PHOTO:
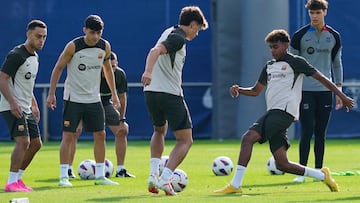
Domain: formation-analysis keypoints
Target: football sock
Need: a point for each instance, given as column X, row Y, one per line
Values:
column 154, row 166
column 99, row 170
column 13, row 177
column 64, row 170
column 238, row 177
column 20, row 174
column 119, row 168
column 314, row 173
column 166, row 174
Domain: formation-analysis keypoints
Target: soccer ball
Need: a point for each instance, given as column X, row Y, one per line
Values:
column 222, row 166
column 271, row 167
column 109, row 168
column 179, row 180
column 163, row 162
column 86, row 169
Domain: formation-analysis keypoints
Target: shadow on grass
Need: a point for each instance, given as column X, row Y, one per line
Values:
column 345, row 199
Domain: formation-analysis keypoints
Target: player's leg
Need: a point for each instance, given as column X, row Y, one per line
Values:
column 323, row 111
column 73, row 150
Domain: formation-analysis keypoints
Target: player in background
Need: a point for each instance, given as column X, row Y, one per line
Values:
column 18, row 104
column 114, row 118
column 164, row 97
column 321, row 46
column 283, row 76
column 85, row 57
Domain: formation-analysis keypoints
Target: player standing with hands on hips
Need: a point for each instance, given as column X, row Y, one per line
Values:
column 321, row 46
column 283, row 76
column 18, row 104
column 84, row 57
column 164, row 97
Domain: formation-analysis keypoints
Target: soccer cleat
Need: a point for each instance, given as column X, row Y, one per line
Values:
column 329, row 181
column 152, row 184
column 166, row 187
column 105, row 181
column 64, row 182
column 71, row 174
column 14, row 187
column 229, row 189
column 124, row 174
column 299, row 179
column 22, row 184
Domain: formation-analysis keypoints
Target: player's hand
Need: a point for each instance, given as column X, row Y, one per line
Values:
column 36, row 113
column 348, row 103
column 339, row 103
column 16, row 110
column 51, row 102
column 146, row 79
column 234, row 91
column 115, row 102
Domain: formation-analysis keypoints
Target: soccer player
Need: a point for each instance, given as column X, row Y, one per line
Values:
column 18, row 104
column 114, row 118
column 320, row 45
column 84, row 57
column 283, row 77
column 164, row 97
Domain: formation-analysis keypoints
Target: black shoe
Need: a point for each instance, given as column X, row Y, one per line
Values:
column 71, row 174
column 124, row 174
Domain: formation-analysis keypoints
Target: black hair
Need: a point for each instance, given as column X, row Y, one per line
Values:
column 277, row 35
column 192, row 13
column 316, row 4
column 94, row 22
column 35, row 23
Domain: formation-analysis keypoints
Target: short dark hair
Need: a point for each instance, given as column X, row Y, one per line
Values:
column 94, row 22
column 35, row 23
column 113, row 56
column 316, row 4
column 192, row 13
column 277, row 35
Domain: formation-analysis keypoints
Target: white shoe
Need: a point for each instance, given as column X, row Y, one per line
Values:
column 166, row 187
column 64, row 182
column 152, row 184
column 299, row 179
column 105, row 181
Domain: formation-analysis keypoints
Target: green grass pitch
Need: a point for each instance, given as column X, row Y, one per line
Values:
column 258, row 185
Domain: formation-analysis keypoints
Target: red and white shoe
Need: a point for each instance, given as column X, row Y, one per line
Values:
column 166, row 187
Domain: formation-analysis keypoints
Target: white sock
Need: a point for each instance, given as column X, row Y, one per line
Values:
column 120, row 167
column 70, row 167
column 64, row 170
column 314, row 173
column 13, row 177
column 154, row 166
column 166, row 174
column 99, row 170
column 20, row 174
column 237, row 180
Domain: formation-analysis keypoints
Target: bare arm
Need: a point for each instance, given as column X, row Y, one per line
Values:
column 61, row 63
column 347, row 101
column 5, row 90
column 151, row 59
column 109, row 76
column 255, row 90
column 123, row 104
column 35, row 109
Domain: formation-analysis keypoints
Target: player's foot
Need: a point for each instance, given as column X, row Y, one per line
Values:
column 64, row 182
column 329, row 181
column 229, row 189
column 299, row 179
column 105, row 181
column 22, row 184
column 152, row 184
column 71, row 174
column 124, row 174
column 166, row 187
column 14, row 187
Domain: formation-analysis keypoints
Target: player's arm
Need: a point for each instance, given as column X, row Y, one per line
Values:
column 61, row 63
column 347, row 101
column 236, row 90
column 151, row 59
column 35, row 109
column 109, row 76
column 5, row 90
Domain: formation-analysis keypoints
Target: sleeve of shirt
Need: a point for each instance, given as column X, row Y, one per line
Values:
column 263, row 76
column 302, row 66
column 337, row 63
column 12, row 63
column 174, row 42
column 295, row 44
column 121, row 81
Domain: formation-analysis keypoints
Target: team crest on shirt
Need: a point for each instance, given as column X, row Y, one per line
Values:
column 100, row 56
column 283, row 67
column 21, row 127
column 66, row 123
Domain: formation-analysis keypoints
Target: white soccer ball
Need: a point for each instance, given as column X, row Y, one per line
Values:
column 179, row 180
column 109, row 168
column 163, row 162
column 271, row 167
column 86, row 169
column 222, row 166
